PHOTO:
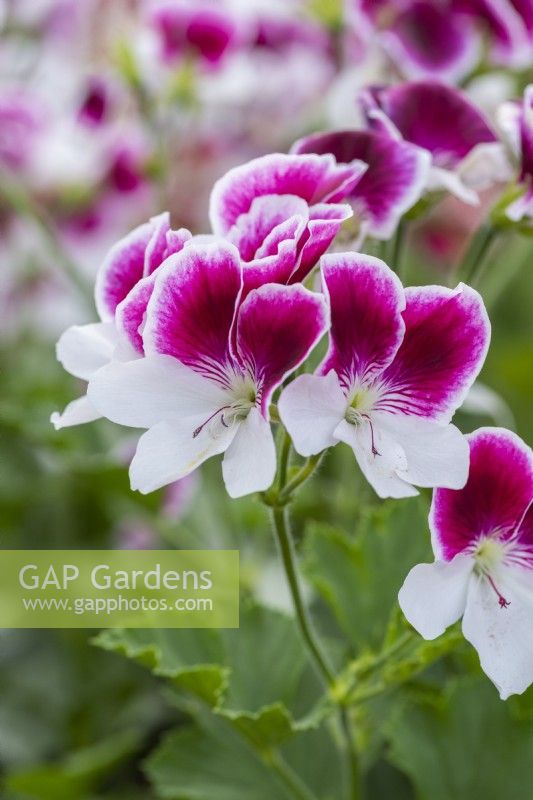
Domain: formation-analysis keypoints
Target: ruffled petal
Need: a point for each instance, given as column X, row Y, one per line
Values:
column 367, row 328
column 313, row 178
column 311, row 407
column 130, row 313
column 395, row 178
column 249, row 463
column 154, row 389
column 325, row 221
column 163, row 242
column 503, row 637
column 426, row 40
column 167, row 453
column 495, row 498
column 83, row 349
column 277, row 327
column 447, row 333
column 437, row 455
column 437, row 117
column 433, row 596
column 192, row 308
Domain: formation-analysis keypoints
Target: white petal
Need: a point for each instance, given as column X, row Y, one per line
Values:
column 311, row 407
column 437, row 455
column 249, row 463
column 483, row 400
column 169, row 451
column 503, row 637
column 433, row 596
column 485, row 165
column 154, row 389
column 76, row 413
column 380, row 469
column 440, row 179
column 83, row 349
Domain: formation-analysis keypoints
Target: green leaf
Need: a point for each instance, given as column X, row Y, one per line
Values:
column 467, row 746
column 359, row 577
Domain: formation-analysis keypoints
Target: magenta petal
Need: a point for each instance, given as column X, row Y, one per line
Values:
column 164, row 241
column 394, row 179
column 526, row 136
column 325, row 220
column 427, row 40
column 191, row 311
column 495, row 499
column 314, row 178
column 130, row 313
column 366, row 301
column 447, row 333
column 204, row 30
column 121, row 269
column 277, row 326
column 437, row 117
column 504, row 22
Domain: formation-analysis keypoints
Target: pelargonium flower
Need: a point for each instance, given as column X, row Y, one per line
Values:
column 196, row 28
column 516, row 119
column 212, row 363
column 400, row 362
column 282, row 212
column 466, row 154
column 482, row 537
column 396, row 175
column 124, row 284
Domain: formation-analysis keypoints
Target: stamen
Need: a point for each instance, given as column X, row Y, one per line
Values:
column 200, row 428
column 374, row 450
column 501, row 599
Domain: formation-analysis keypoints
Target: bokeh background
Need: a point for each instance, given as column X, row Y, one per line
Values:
column 108, row 115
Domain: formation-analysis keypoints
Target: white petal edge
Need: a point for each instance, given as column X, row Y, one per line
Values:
column 433, row 596
column 311, row 407
column 78, row 412
column 249, row 463
column 83, row 349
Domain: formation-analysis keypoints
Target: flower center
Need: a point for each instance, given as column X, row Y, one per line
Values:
column 489, row 553
column 235, row 411
column 359, row 410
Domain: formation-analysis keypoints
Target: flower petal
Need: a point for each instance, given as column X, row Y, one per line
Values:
column 367, row 328
column 83, row 349
column 447, row 334
column 78, row 412
column 503, row 637
column 426, row 40
column 437, row 117
column 163, row 242
column 314, row 178
column 433, row 596
column 311, row 407
column 277, row 327
column 325, row 221
column 396, row 175
column 379, row 456
column 168, row 452
column 154, row 389
column 121, row 269
column 497, row 493
column 249, row 463
column 130, row 313
column 191, row 311
column 437, row 455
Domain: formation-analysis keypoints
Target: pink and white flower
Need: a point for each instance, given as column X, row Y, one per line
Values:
column 399, row 364
column 193, row 29
column 516, row 119
column 466, row 154
column 212, row 364
column 124, row 284
column 282, row 212
column 394, row 181
column 482, row 537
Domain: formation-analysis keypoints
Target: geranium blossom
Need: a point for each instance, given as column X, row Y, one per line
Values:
column 396, row 175
column 399, row 364
column 282, row 212
column 211, row 366
column 482, row 537
column 466, row 154
column 516, row 118
column 123, row 287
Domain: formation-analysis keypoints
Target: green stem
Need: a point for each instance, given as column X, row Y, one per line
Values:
column 21, row 202
column 301, row 476
column 398, row 249
column 475, row 260
column 285, row 452
column 289, row 778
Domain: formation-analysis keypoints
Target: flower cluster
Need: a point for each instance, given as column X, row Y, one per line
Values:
column 200, row 336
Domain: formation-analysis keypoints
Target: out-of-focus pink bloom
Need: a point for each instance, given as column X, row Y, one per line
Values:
column 20, row 125
column 516, row 118
column 202, row 29
column 94, row 106
column 179, row 496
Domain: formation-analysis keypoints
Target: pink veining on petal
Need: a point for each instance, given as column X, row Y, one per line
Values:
column 367, row 328
column 190, row 314
column 277, row 326
column 495, row 499
column 447, row 333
